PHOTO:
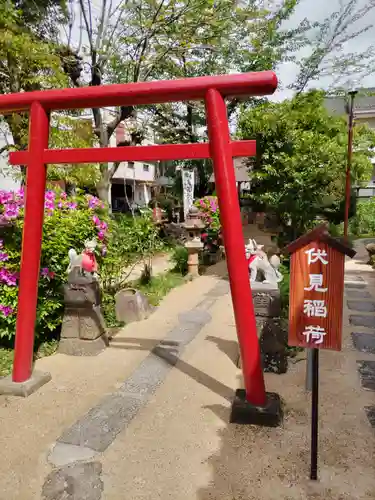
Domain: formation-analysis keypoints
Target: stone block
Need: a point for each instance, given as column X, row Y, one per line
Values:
column 362, row 320
column 370, row 412
column 132, row 305
column 358, row 294
column 83, row 323
column 82, row 347
column 364, row 342
column 24, row 389
column 64, row 454
column 266, row 299
column 360, row 305
column 367, row 373
column 77, row 295
column 78, row 481
column 70, row 324
column 243, row 412
column 273, row 335
column 355, row 284
column 92, row 324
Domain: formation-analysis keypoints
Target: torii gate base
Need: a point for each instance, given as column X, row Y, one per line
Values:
column 251, row 405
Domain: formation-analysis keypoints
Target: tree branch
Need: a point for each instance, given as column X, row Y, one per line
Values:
column 122, row 114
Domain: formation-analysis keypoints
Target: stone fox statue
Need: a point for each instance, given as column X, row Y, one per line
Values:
column 258, row 261
column 86, row 261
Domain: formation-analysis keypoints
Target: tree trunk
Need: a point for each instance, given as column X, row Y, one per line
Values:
column 104, row 185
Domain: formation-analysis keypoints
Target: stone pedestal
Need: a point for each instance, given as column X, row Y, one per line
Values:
column 243, row 412
column 83, row 331
column 271, row 333
column 132, row 305
column 194, row 248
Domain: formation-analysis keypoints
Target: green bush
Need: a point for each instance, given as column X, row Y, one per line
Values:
column 284, row 288
column 180, row 259
column 132, row 240
column 68, row 222
column 363, row 223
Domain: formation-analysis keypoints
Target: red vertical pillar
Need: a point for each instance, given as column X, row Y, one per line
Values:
column 32, row 235
column 225, row 182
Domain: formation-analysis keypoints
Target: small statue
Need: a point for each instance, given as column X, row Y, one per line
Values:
column 86, row 262
column 258, row 261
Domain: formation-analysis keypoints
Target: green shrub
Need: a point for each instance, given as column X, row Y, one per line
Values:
column 363, row 223
column 284, row 288
column 68, row 222
column 132, row 240
column 180, row 259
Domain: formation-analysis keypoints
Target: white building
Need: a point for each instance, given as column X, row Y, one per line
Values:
column 133, row 182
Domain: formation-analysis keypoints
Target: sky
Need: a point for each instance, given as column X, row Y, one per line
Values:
column 318, row 10
column 313, row 10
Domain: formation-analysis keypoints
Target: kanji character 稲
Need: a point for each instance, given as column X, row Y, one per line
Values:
column 315, row 308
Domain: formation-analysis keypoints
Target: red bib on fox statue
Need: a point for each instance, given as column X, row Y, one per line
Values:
column 89, row 263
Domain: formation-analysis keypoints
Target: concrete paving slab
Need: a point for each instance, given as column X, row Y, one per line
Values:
column 64, row 454
column 353, row 284
column 364, row 342
column 358, row 294
column 80, row 481
column 353, row 277
column 367, row 373
column 363, row 306
column 370, row 412
column 362, row 320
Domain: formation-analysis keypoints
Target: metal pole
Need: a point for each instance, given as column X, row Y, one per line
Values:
column 349, row 162
column 314, row 414
column 32, row 236
column 218, row 132
column 309, row 370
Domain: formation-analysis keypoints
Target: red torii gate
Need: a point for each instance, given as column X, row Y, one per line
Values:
column 220, row 148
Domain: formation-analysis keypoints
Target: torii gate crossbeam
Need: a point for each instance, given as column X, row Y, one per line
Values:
column 220, row 148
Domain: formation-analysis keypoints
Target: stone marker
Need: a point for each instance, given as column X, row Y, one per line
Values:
column 132, row 305
column 83, row 331
column 367, row 373
column 364, row 342
column 271, row 333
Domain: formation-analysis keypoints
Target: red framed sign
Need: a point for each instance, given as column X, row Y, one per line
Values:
column 316, row 290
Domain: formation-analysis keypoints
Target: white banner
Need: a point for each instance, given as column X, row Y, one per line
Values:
column 188, row 190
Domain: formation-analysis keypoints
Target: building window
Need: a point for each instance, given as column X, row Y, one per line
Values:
column 146, row 167
column 130, row 164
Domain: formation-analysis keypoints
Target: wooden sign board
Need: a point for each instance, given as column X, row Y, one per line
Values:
column 316, row 290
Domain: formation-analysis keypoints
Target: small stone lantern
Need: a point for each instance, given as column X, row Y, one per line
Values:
column 193, row 225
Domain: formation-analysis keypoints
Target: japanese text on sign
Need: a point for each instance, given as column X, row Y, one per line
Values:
column 314, row 334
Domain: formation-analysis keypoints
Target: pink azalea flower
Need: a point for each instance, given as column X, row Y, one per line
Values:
column 6, row 310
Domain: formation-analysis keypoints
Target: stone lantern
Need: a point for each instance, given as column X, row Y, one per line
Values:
column 193, row 225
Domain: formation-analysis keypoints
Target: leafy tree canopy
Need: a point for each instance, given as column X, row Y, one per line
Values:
column 299, row 170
